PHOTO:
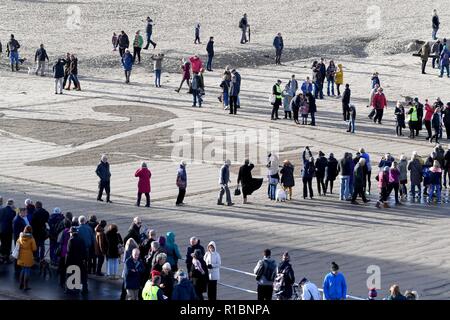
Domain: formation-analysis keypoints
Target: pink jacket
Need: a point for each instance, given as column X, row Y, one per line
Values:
column 144, row 179
column 196, row 64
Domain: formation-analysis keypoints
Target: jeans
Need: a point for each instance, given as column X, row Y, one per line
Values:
column 74, row 78
column 127, row 76
column 433, row 188
column 318, row 90
column 112, row 266
column 224, row 189
column 345, row 187
column 330, row 82
column 272, row 188
column 209, row 64
column 351, row 126
column 434, row 33
column 158, row 78
column 446, row 68
column 40, row 66
column 14, row 57
column 225, row 98
column 196, row 96
column 59, row 85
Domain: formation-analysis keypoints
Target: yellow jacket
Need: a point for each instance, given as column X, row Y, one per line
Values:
column 339, row 75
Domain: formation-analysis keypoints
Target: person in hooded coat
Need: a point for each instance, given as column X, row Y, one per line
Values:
column 25, row 259
column 245, row 179
column 173, row 253
column 213, row 262
column 144, row 175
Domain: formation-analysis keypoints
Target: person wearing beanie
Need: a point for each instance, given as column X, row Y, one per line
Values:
column 372, row 294
column 144, row 175
column 284, row 279
column 334, row 284
column 77, row 254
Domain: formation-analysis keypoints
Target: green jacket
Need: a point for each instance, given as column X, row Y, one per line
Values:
column 138, row 41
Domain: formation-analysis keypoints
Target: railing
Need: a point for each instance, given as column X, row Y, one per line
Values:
column 254, row 292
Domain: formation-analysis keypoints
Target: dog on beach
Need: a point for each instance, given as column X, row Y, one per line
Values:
column 280, row 195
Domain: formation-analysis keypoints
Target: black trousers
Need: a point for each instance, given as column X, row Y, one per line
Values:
column 331, row 182
column 424, row 64
column 92, row 261
column 447, row 129
column 137, row 52
column 395, row 187
column 233, row 104
column 104, row 185
column 275, row 108
column 435, row 135
column 307, row 184
column 378, row 115
column 147, row 198
column 345, row 111
column 321, row 188
column 62, row 272
column 121, row 51
column 100, row 261
column 338, row 87
column 212, row 290
column 278, row 56
column 6, row 243
column 295, row 111
column 181, row 194
column 359, row 192
column 264, row 292
column 428, row 127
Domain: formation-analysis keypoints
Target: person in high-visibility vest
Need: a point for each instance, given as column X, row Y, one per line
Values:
column 277, row 94
column 413, row 120
column 152, row 291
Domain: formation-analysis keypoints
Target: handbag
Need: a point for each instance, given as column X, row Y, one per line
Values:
column 237, row 191
column 16, row 251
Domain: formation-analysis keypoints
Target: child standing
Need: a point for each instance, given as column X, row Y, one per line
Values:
column 115, row 41
column 197, row 34
column 304, row 110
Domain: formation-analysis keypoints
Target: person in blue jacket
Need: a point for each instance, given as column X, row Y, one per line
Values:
column 279, row 45
column 133, row 271
column 20, row 221
column 334, row 285
column 127, row 63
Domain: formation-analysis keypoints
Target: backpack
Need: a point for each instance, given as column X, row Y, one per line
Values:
column 279, row 281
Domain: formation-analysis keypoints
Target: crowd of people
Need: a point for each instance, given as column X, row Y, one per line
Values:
column 152, row 267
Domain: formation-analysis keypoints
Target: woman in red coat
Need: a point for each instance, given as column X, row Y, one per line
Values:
column 144, row 176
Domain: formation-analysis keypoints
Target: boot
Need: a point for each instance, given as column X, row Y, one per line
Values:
column 12, row 67
column 245, row 201
column 25, row 283
column 17, row 66
column 21, row 282
column 78, row 87
column 68, row 87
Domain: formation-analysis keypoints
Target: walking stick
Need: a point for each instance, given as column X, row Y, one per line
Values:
column 249, row 33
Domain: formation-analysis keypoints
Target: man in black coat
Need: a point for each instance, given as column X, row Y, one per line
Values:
column 210, row 50
column 7, row 215
column 104, row 174
column 346, row 103
column 77, row 256
column 124, row 42
column 39, row 59
column 195, row 244
column 38, row 223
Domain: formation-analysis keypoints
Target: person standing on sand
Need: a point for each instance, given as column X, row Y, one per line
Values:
column 104, row 174
column 424, row 52
column 197, row 34
column 149, row 31
column 435, row 24
column 278, row 45
column 144, row 175
column 186, row 69
column 12, row 50
column 379, row 102
column 331, row 74
column 127, row 63
column 339, row 78
column 181, row 183
column 157, row 67
column 277, row 94
column 445, row 61
column 58, row 74
column 346, row 103
column 66, row 69
column 307, row 86
column 137, row 46
column 436, row 50
column 73, row 73
column 124, row 42
column 115, row 41
column 210, row 50
column 243, row 25
column 235, row 88
column 196, row 90
column 39, row 58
